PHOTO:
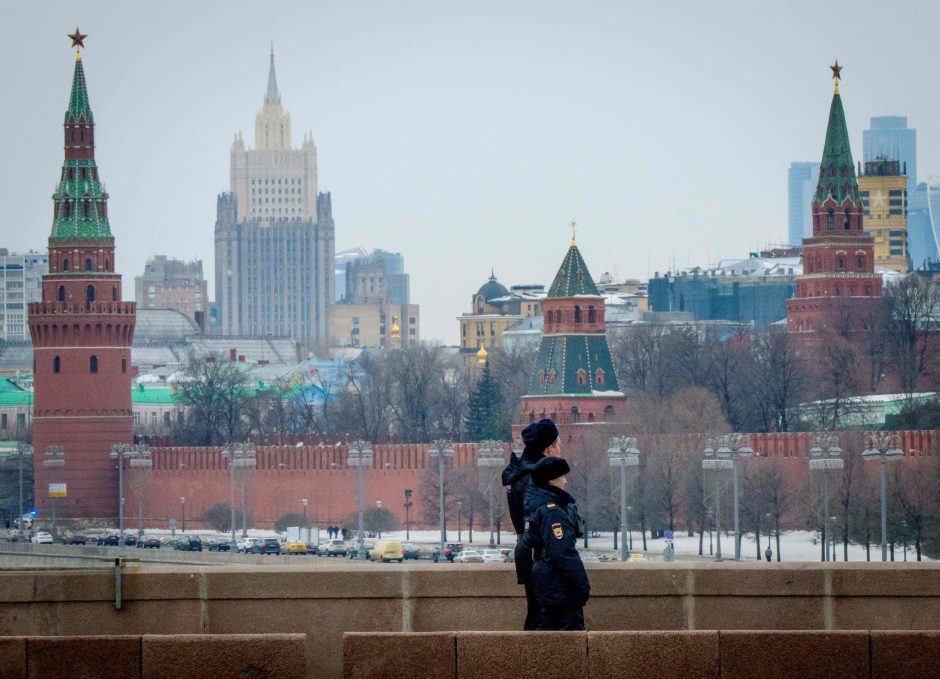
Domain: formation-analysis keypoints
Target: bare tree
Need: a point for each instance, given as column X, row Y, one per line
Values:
column 214, row 394
column 913, row 344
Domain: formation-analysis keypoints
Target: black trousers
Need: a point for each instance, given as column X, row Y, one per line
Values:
column 533, row 615
column 564, row 618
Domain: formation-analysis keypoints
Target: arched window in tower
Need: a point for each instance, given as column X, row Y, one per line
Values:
column 608, row 413
column 847, row 221
column 838, row 291
column 61, row 293
column 114, row 293
column 840, row 262
column 86, row 208
column 541, row 377
column 90, row 293
column 581, row 376
column 88, row 264
column 592, row 314
column 859, row 262
column 65, row 264
column 575, row 415
column 107, row 264
column 57, row 365
column 66, row 209
column 577, row 314
column 93, row 364
column 551, row 376
column 818, row 263
column 599, row 376
column 831, row 220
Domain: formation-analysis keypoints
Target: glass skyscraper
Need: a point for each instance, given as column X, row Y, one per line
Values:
column 923, row 225
column 891, row 138
column 802, row 179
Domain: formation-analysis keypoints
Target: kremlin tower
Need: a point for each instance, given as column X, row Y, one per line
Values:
column 81, row 331
column 574, row 381
column 838, row 282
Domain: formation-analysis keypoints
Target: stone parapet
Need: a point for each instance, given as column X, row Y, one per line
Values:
column 337, row 597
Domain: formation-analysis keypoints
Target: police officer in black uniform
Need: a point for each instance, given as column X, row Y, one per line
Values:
column 558, row 575
column 540, row 439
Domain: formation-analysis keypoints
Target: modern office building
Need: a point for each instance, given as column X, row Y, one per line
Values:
column 923, row 225
column 173, row 284
column 802, row 179
column 883, row 189
column 752, row 291
column 890, row 137
column 274, row 235
column 377, row 277
column 20, row 284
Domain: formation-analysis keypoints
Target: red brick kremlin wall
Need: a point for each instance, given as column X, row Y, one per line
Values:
column 287, row 474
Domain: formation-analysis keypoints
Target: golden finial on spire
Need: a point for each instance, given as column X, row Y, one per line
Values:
column 836, row 74
column 574, row 240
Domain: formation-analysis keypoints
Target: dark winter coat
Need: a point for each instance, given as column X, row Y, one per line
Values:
column 558, row 574
column 516, row 477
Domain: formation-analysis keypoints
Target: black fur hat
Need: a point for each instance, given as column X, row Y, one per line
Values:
column 549, row 468
column 537, row 437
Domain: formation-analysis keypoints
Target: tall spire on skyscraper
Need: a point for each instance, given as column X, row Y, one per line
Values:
column 272, row 96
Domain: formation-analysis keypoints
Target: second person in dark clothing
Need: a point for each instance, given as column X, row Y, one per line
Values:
column 558, row 575
column 540, row 439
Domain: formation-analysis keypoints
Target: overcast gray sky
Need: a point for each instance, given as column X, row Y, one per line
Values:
column 465, row 135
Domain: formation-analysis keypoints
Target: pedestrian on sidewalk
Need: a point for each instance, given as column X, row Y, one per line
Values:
column 768, row 553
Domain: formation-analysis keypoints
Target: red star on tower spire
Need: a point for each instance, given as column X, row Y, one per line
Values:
column 78, row 38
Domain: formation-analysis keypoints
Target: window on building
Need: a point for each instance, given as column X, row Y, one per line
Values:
column 831, row 220
column 57, row 365
column 575, row 415
column 847, row 221
column 123, row 365
column 65, row 265
column 551, row 379
column 592, row 315
column 859, row 262
column 93, row 364
column 599, row 376
column 840, row 262
column 61, row 293
column 90, row 293
column 581, row 376
column 541, row 377
column 577, row 314
column 88, row 264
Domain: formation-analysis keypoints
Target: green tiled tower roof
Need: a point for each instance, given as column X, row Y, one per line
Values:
column 560, row 359
column 78, row 101
column 573, row 278
column 80, row 198
column 837, row 170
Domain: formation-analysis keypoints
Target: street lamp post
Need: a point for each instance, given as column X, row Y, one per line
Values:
column 717, row 465
column 885, row 446
column 378, row 518
column 141, row 461
column 53, row 459
column 120, row 452
column 360, row 456
column 490, row 454
column 441, row 449
column 459, row 535
column 183, row 514
column 408, row 503
column 22, row 449
column 306, row 524
column 826, row 453
column 238, row 455
column 623, row 453
column 732, row 448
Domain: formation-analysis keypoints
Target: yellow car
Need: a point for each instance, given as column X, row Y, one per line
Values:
column 387, row 550
column 296, row 547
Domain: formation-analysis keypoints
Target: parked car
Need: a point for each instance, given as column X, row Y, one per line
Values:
column 353, row 552
column 468, row 556
column 220, row 545
column 410, row 551
column 387, row 550
column 42, row 538
column 130, row 539
column 312, row 548
column 189, row 543
column 245, row 544
column 451, row 549
column 509, row 555
column 296, row 547
column 149, row 542
column 332, row 548
column 15, row 535
column 267, row 546
column 492, row 556
column 72, row 537
column 109, row 540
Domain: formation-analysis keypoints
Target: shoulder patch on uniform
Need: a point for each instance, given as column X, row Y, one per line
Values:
column 550, row 505
column 558, row 531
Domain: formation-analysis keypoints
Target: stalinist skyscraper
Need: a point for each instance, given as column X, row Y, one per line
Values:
column 274, row 237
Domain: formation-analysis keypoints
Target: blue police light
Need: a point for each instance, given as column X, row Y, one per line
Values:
column 32, row 512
